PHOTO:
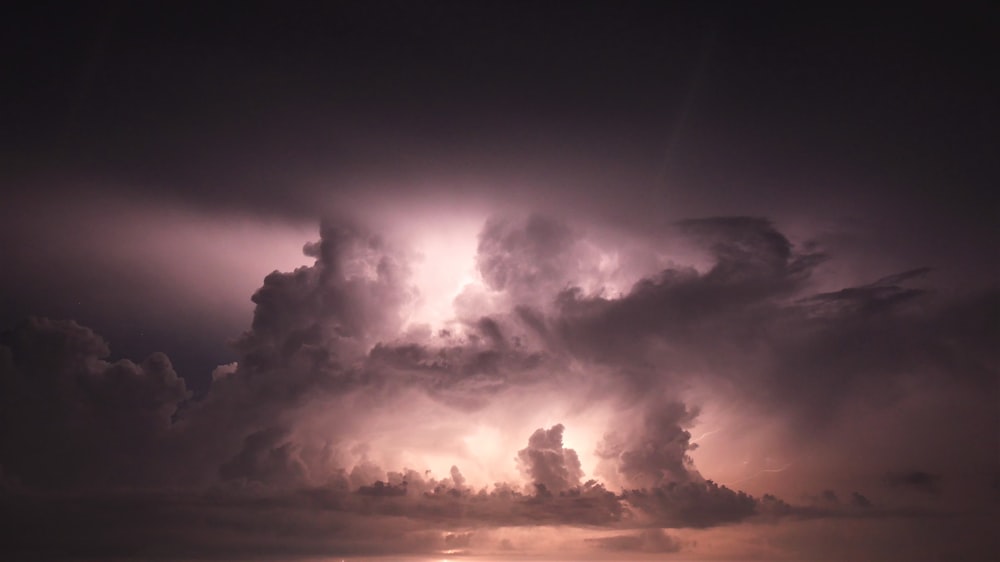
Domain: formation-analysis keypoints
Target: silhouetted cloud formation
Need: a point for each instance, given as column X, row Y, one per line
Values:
column 74, row 420
column 547, row 463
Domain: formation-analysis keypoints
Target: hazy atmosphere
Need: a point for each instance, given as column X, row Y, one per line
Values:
column 499, row 281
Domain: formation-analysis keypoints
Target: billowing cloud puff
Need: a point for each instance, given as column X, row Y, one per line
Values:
column 266, row 457
column 528, row 259
column 329, row 314
column 655, row 452
column 547, row 463
column 73, row 419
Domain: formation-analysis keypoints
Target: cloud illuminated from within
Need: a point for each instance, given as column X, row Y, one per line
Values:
column 518, row 372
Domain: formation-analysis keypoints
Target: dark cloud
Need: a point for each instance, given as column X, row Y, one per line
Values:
column 466, row 372
column 754, row 268
column 206, row 527
column 381, row 489
column 267, row 456
column 547, row 463
column 915, row 480
column 652, row 540
column 872, row 298
column 749, row 252
column 749, row 320
column 73, row 419
column 529, row 259
column 655, row 452
column 859, row 500
column 692, row 504
column 348, row 300
column 827, row 502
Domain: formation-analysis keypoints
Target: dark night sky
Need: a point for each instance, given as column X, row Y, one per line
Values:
column 765, row 228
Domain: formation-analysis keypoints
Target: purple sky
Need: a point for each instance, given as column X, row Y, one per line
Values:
column 498, row 281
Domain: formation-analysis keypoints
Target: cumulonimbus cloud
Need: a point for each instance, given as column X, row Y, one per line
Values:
column 328, row 364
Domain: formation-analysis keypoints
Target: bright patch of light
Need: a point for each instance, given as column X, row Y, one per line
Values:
column 444, row 265
column 484, row 443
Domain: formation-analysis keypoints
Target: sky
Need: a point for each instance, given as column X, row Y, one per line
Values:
column 490, row 281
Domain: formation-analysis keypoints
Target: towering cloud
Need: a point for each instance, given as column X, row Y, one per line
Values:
column 655, row 452
column 547, row 463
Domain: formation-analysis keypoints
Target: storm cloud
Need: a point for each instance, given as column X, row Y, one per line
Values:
column 442, row 280
column 328, row 342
